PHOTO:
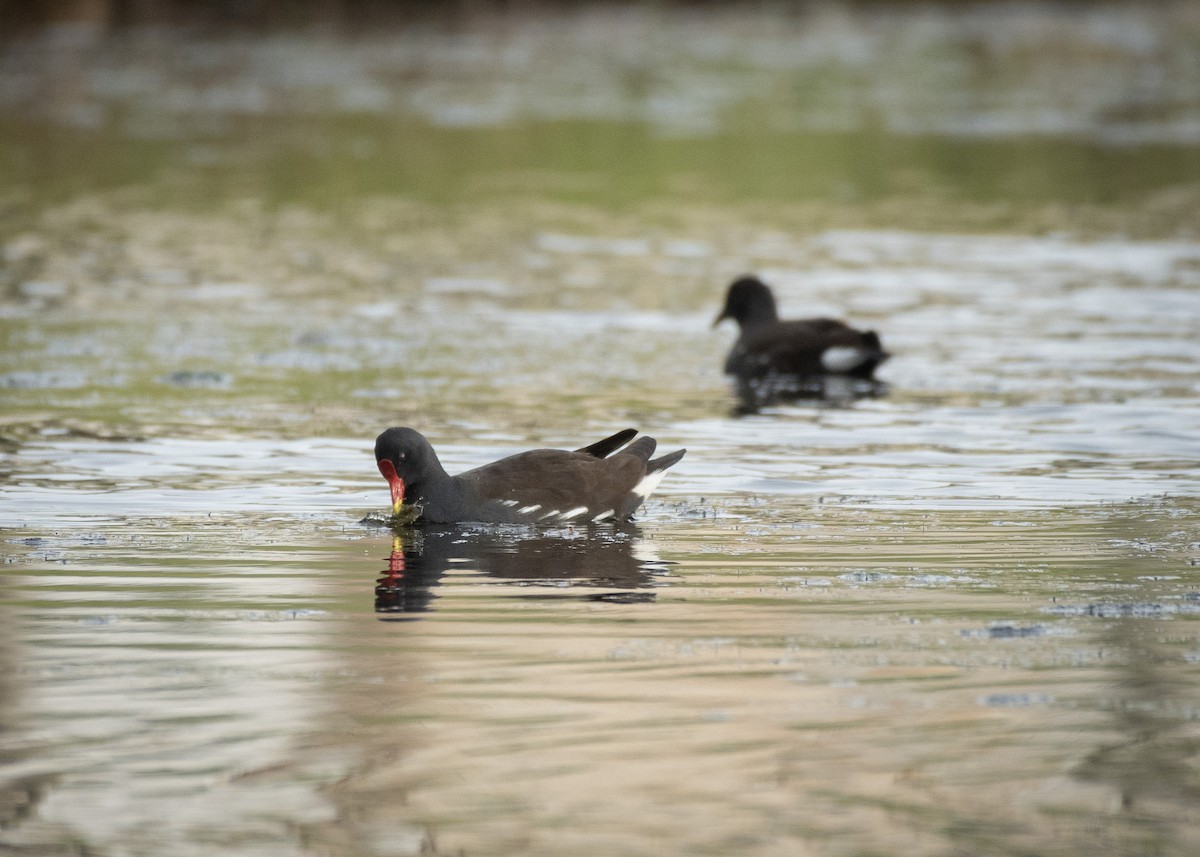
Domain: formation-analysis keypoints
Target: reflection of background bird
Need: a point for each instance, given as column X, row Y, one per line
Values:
column 617, row 559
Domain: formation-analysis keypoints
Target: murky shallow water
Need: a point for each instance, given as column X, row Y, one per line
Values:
column 766, row 674
column 960, row 617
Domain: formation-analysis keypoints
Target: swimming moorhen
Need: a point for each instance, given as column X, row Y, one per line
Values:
column 802, row 348
column 606, row 481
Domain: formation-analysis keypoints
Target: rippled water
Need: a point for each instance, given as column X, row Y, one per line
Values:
column 959, row 617
column 762, row 674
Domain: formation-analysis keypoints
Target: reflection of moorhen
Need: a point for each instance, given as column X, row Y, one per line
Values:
column 617, row 559
column 405, row 587
column 801, row 358
column 606, row 481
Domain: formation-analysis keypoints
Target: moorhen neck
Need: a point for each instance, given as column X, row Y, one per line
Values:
column 605, row 481
column 802, row 348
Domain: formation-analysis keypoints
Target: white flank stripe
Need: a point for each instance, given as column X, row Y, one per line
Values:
column 646, row 487
column 571, row 513
column 508, row 502
column 548, row 515
column 602, row 516
column 529, row 510
column 842, row 358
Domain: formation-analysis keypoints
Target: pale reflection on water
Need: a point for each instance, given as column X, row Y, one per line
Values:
column 152, row 682
column 780, row 699
column 835, row 678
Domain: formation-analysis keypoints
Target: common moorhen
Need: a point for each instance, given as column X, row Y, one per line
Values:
column 801, row 348
column 606, row 481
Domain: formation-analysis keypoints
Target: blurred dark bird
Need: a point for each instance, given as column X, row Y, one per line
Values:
column 803, row 349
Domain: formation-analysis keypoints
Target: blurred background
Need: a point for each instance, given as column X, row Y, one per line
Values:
column 167, row 164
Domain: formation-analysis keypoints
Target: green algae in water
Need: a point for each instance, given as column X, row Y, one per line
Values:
column 408, row 515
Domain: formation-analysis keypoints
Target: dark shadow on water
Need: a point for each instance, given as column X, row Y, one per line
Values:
column 537, row 563
column 23, row 788
column 1152, row 761
column 754, row 394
